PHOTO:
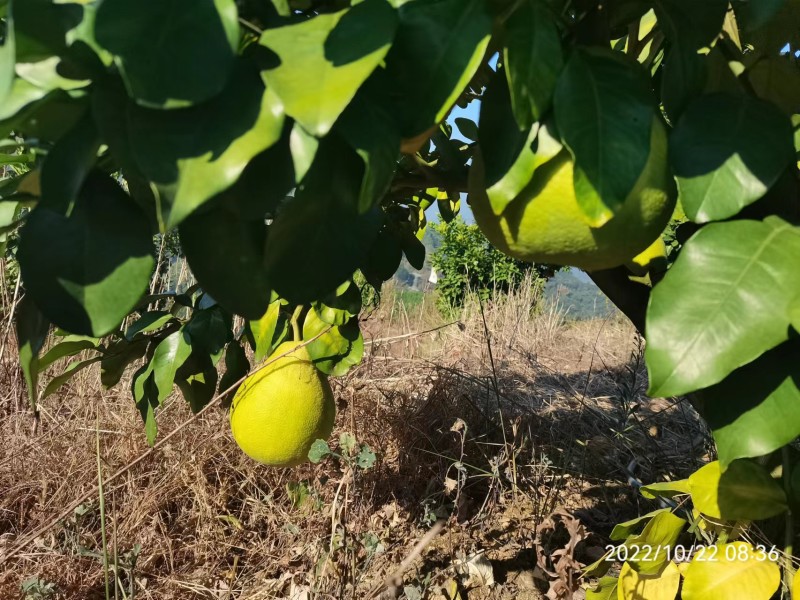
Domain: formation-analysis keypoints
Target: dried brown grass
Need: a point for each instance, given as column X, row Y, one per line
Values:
column 553, row 417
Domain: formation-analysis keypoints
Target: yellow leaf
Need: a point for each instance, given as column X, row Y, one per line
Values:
column 637, row 586
column 734, row 571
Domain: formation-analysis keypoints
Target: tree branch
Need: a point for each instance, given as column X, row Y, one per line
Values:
column 628, row 296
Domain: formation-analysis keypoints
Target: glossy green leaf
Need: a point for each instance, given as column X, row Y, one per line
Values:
column 236, row 367
column 195, row 153
column 304, row 148
column 724, row 302
column 756, row 409
column 149, row 321
column 118, row 357
column 92, row 274
column 737, row 571
column 226, row 255
column 745, row 491
column 604, row 110
column 72, row 369
column 337, row 349
column 31, row 328
column 158, row 45
column 264, row 330
column 324, row 60
column 303, row 261
column 169, row 355
column 438, row 48
column 371, row 130
column 533, row 60
column 727, row 151
column 69, row 347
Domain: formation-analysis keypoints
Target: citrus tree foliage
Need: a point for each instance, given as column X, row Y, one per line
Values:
column 466, row 262
column 294, row 144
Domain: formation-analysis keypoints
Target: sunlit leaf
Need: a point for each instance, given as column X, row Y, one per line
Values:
column 724, row 302
column 744, row 491
column 737, row 571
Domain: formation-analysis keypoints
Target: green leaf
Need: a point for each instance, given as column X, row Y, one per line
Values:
column 347, row 443
column 8, row 57
column 604, row 110
column 149, row 321
column 335, row 350
column 339, row 307
column 696, row 24
column 414, row 249
column 226, row 255
column 777, row 79
column 384, row 256
column 195, row 153
column 236, row 367
column 90, row 275
column 304, row 148
column 623, row 530
column 737, row 571
column 660, row 585
column 727, row 151
column 468, row 128
column 665, row 489
column 724, row 302
column 438, row 48
column 303, row 261
column 159, row 44
column 264, row 330
column 371, row 130
column 758, row 14
column 69, row 347
column 145, row 394
column 606, row 589
column 319, row 450
column 365, row 457
column 753, row 411
column 510, row 156
column 169, row 355
column 661, row 533
column 74, row 367
column 31, row 328
column 210, row 331
column 324, row 60
column 533, row 60
column 197, row 380
column 118, row 356
column 41, row 27
column 67, row 166
column 743, row 492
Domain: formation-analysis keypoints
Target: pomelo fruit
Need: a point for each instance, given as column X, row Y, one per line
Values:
column 544, row 223
column 279, row 411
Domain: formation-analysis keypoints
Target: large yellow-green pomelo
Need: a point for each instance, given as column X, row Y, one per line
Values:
column 544, row 223
column 279, row 411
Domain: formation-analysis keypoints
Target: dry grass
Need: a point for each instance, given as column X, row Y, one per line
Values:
column 554, row 416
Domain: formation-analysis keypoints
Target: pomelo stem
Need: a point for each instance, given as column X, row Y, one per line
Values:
column 295, row 325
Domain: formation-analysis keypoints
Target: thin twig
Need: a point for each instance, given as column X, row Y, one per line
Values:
column 395, row 579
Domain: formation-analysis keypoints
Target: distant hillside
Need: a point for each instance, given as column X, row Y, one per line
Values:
column 578, row 295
